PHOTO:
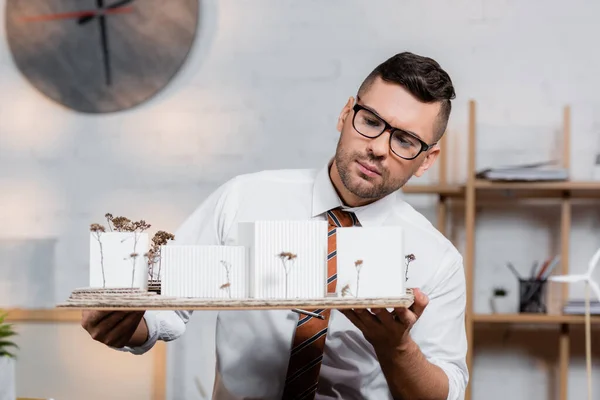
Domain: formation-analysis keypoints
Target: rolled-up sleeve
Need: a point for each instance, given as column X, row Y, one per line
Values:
column 162, row 325
column 441, row 329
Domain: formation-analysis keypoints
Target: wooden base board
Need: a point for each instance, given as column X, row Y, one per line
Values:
column 127, row 299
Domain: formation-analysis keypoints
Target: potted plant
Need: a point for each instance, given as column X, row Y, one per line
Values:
column 500, row 302
column 7, row 363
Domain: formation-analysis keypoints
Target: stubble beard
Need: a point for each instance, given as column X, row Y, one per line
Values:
column 365, row 188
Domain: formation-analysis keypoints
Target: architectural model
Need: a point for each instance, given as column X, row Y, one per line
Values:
column 272, row 264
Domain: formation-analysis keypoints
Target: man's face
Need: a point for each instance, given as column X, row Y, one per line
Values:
column 367, row 168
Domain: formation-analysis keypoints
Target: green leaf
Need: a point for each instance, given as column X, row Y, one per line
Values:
column 6, row 332
column 4, row 353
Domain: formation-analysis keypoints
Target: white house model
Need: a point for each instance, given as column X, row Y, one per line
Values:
column 270, row 260
column 204, row 271
column 117, row 260
column 370, row 262
column 286, row 259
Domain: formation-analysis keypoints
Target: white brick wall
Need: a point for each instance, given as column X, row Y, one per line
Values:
column 262, row 89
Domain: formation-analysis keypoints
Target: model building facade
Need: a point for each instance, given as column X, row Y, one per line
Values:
column 270, row 260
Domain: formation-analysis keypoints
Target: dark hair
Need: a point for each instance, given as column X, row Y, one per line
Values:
column 422, row 77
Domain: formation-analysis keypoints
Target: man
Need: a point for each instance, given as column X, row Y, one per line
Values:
column 388, row 133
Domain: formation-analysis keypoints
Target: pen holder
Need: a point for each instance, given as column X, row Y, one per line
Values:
column 532, row 295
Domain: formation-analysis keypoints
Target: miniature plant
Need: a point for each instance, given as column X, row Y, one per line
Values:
column 137, row 228
column 98, row 230
column 120, row 224
column 6, row 333
column 358, row 264
column 287, row 259
column 226, row 285
column 346, row 290
column 153, row 255
column 409, row 258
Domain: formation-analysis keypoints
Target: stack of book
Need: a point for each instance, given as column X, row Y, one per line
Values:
column 543, row 171
column 577, row 307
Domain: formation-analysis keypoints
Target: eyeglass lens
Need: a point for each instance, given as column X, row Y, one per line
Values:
column 369, row 124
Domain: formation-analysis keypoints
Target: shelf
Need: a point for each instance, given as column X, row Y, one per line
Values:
column 42, row 315
column 495, row 189
column 532, row 319
column 444, row 190
column 576, row 189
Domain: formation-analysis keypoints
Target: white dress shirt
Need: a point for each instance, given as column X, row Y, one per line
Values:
column 252, row 347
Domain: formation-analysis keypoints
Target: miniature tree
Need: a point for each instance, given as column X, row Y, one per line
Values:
column 358, row 264
column 97, row 229
column 137, row 228
column 287, row 260
column 409, row 258
column 160, row 238
column 346, row 291
column 226, row 285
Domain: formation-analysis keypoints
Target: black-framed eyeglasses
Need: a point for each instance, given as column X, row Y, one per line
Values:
column 405, row 145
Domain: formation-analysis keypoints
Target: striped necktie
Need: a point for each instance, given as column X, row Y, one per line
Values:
column 309, row 340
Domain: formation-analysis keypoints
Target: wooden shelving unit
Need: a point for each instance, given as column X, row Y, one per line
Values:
column 475, row 192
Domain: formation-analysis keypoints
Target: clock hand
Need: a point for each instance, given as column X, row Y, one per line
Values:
column 118, row 5
column 104, row 44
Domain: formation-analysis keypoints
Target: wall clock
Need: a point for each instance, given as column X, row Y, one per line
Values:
column 100, row 56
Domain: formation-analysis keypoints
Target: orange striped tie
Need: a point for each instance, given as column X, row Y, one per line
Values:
column 309, row 340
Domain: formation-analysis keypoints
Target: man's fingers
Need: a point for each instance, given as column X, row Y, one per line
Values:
column 102, row 329
column 384, row 316
column 121, row 334
column 89, row 319
column 405, row 316
column 366, row 317
column 420, row 303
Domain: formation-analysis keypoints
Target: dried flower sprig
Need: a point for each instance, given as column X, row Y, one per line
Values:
column 358, row 265
column 287, row 258
column 109, row 218
column 409, row 258
column 160, row 238
column 97, row 230
column 124, row 224
column 346, row 290
column 137, row 228
column 226, row 285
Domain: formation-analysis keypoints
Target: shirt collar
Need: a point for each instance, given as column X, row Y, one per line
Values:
column 325, row 198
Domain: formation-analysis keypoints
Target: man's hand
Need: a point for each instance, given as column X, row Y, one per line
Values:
column 388, row 331
column 408, row 373
column 116, row 328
